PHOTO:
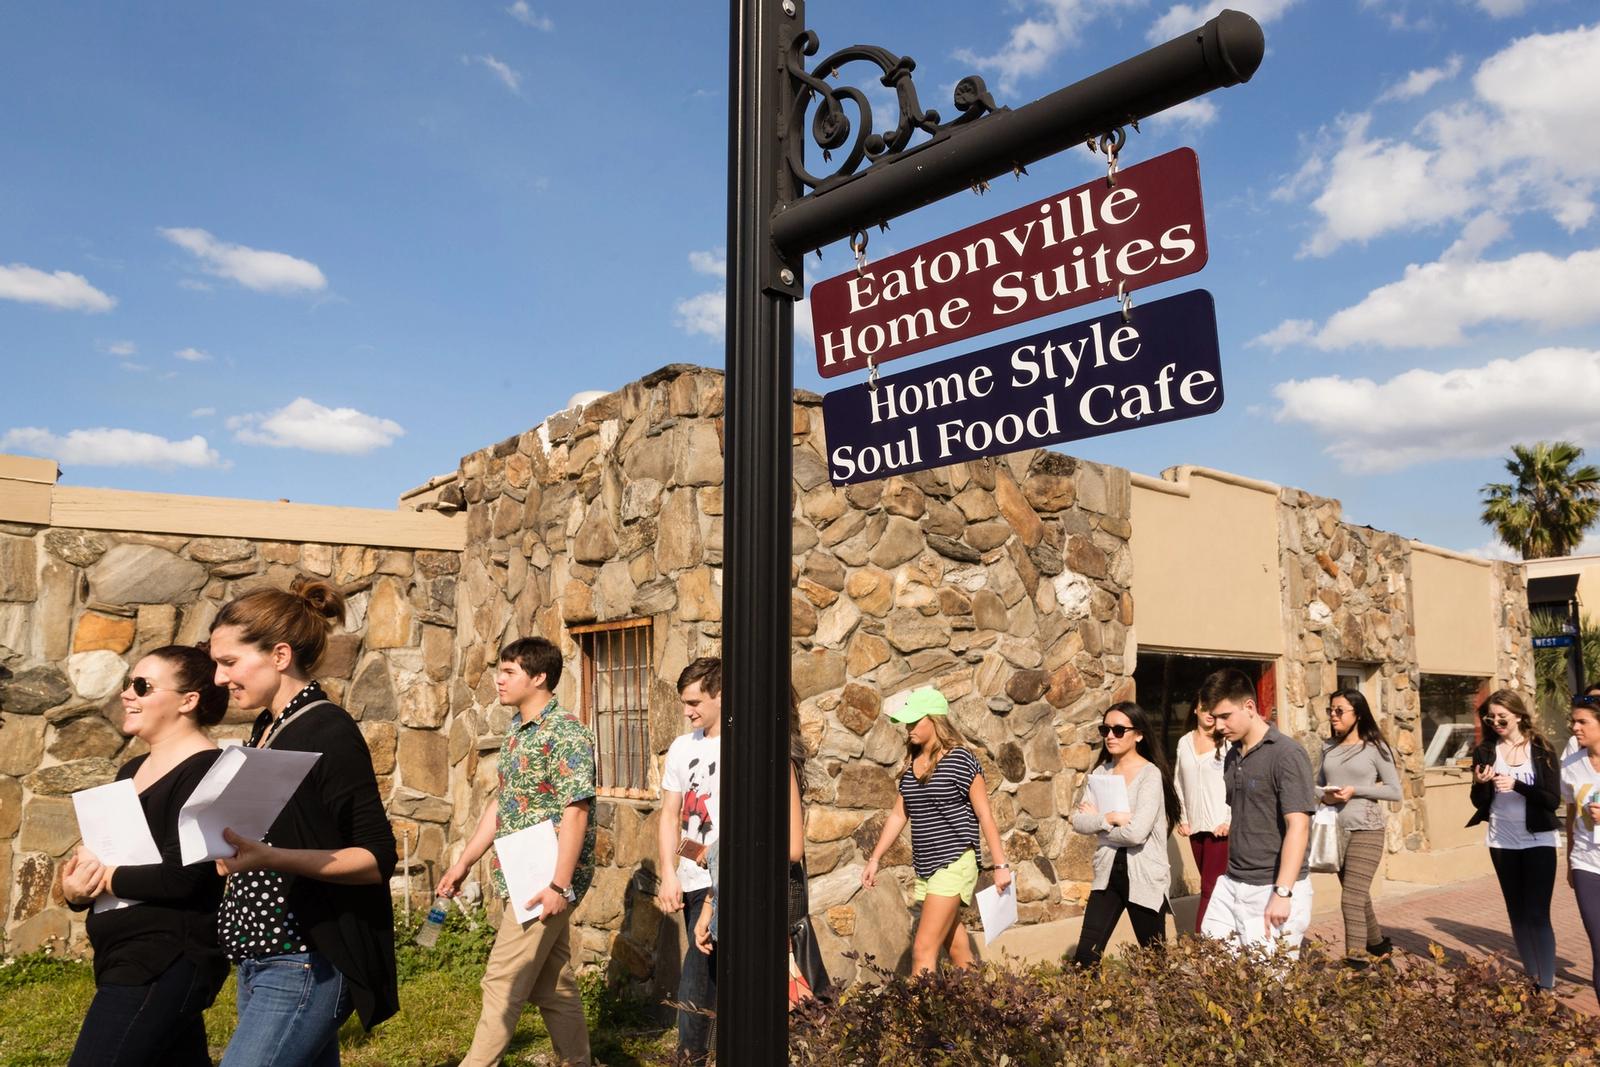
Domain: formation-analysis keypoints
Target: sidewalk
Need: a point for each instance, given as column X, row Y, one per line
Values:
column 1471, row 917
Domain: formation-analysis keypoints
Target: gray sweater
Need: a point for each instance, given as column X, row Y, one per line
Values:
column 1143, row 836
column 1370, row 772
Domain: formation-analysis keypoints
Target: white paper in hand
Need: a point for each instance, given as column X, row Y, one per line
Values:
column 1110, row 793
column 528, row 860
column 998, row 911
column 245, row 790
column 111, row 822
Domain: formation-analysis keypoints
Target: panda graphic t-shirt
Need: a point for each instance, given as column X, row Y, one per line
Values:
column 694, row 768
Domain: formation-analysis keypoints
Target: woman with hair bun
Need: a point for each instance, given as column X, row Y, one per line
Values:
column 306, row 915
column 156, row 966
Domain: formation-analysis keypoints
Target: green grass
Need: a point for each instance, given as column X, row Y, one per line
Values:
column 43, row 1000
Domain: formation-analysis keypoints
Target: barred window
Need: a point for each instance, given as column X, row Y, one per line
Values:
column 618, row 665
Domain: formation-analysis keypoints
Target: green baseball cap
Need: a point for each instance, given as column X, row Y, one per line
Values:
column 910, row 707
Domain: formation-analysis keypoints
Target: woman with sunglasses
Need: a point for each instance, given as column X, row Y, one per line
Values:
column 1203, row 815
column 156, row 966
column 1131, row 871
column 943, row 797
column 306, row 916
column 1580, row 788
column 1516, row 789
column 1358, row 771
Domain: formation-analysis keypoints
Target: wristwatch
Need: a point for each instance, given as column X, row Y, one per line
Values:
column 565, row 891
column 1284, row 891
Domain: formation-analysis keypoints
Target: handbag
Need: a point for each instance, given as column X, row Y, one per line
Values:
column 808, row 976
column 1325, row 854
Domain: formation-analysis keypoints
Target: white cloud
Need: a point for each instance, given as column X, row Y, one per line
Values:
column 714, row 263
column 508, row 77
column 1181, row 18
column 192, row 355
column 60, row 289
column 1419, row 82
column 1434, row 303
column 1528, row 140
column 528, row 17
column 104, row 447
column 265, row 272
column 1423, row 416
column 705, row 313
column 202, row 413
column 1194, row 114
column 121, row 348
column 306, row 424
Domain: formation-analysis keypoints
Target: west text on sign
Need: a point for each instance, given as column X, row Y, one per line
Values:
column 1061, row 252
column 1091, row 378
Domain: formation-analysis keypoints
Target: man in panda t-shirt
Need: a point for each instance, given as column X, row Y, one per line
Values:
column 690, row 822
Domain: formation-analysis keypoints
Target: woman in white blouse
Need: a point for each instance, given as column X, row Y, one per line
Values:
column 1203, row 800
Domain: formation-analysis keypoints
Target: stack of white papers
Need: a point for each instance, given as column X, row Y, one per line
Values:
column 528, row 860
column 244, row 791
column 111, row 822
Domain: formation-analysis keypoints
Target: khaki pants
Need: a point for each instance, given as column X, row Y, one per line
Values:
column 530, row 964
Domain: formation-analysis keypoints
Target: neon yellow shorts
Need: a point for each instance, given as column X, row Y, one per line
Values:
column 959, row 879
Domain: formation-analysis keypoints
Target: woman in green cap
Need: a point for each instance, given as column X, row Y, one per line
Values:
column 943, row 796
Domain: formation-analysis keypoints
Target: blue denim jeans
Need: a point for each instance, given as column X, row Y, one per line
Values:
column 129, row 1025
column 697, row 982
column 290, row 1010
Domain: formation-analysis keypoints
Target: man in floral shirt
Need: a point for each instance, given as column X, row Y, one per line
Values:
column 546, row 772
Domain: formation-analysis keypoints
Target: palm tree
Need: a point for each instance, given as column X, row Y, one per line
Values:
column 1551, row 504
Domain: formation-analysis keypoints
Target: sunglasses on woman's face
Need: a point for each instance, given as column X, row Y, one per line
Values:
column 1118, row 731
column 142, row 687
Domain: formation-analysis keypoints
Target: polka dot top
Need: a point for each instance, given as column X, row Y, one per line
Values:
column 255, row 920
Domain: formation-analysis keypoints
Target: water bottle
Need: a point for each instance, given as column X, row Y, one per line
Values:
column 428, row 934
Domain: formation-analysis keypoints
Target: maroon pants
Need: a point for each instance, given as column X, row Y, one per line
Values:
column 1211, row 856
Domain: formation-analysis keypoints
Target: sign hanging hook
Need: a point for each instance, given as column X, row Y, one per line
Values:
column 858, row 245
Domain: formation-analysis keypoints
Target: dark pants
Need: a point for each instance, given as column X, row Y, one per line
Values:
column 159, row 1023
column 1106, row 907
column 1586, row 885
column 1211, row 856
column 1527, row 880
column 697, row 982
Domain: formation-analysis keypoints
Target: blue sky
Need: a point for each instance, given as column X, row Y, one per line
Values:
column 321, row 251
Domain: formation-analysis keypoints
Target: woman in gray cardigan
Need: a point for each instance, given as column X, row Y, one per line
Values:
column 1131, row 871
column 1357, row 772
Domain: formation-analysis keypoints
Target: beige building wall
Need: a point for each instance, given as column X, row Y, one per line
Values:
column 1453, row 606
column 1205, row 550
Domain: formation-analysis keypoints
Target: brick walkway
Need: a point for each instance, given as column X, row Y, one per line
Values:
column 1471, row 917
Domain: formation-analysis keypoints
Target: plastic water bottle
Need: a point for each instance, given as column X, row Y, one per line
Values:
column 428, row 934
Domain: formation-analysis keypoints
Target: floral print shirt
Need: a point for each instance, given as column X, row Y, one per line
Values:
column 546, row 763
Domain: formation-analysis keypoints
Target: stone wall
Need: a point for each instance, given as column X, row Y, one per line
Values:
column 79, row 607
column 1006, row 583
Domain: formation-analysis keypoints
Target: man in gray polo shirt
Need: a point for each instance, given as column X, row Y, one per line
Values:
column 1265, row 898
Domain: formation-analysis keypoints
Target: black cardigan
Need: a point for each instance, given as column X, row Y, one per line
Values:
column 177, row 916
column 337, row 806
column 1543, row 796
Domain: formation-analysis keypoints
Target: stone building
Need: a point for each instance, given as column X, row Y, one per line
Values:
column 1034, row 589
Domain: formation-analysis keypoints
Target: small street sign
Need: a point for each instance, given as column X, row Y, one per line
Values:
column 1558, row 641
column 1090, row 378
column 1061, row 252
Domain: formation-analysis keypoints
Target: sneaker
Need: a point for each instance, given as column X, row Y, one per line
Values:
column 1380, row 948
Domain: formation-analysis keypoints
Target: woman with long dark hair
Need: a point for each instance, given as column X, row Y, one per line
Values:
column 306, row 917
column 1131, row 871
column 1203, row 817
column 944, row 798
column 1516, row 789
column 156, row 966
column 1358, row 771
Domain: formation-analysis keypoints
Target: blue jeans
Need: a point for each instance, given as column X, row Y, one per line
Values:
column 697, row 982
column 129, row 1025
column 290, row 1010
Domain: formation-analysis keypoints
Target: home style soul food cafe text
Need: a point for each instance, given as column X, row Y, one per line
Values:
column 1083, row 380
column 1061, row 252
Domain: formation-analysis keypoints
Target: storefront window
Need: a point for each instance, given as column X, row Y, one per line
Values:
column 1168, row 681
column 1450, row 716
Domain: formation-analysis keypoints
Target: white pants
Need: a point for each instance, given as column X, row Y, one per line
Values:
column 1237, row 913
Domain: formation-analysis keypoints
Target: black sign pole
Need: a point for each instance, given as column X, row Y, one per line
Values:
column 769, row 227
